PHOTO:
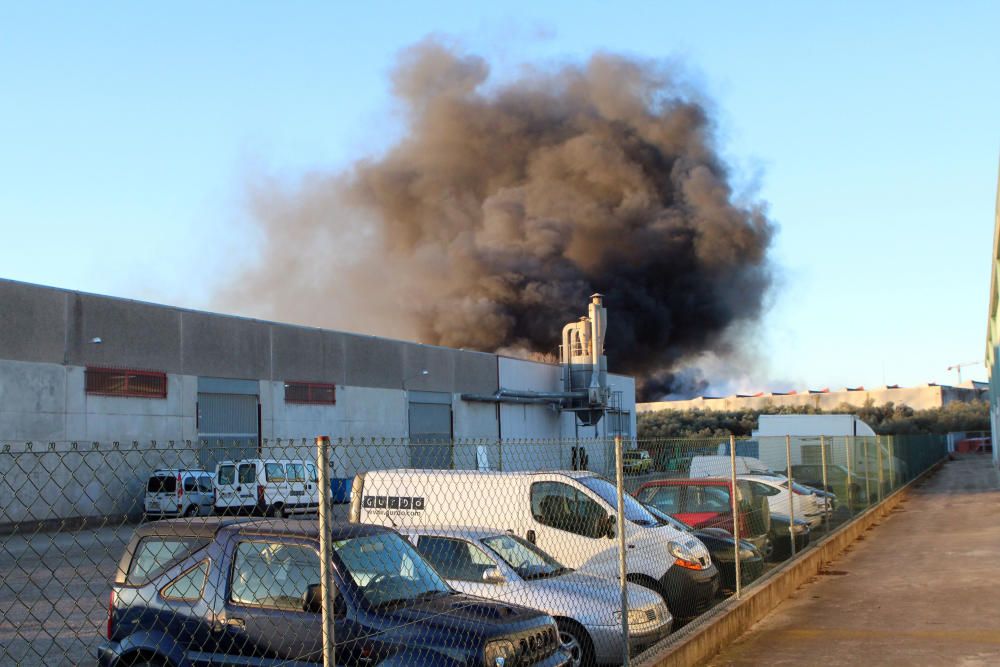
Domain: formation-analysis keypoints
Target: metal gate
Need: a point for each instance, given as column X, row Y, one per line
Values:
column 228, row 420
column 430, row 430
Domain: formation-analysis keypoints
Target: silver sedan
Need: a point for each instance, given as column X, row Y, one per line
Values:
column 587, row 609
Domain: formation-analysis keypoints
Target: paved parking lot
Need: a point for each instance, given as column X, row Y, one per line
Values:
column 54, row 586
column 54, row 592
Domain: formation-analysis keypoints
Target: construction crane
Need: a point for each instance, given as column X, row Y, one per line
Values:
column 958, row 368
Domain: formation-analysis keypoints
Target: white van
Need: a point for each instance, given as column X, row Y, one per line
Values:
column 571, row 515
column 720, row 466
column 272, row 487
column 172, row 492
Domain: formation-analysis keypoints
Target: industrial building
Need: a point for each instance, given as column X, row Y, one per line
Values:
column 924, row 397
column 993, row 331
column 78, row 367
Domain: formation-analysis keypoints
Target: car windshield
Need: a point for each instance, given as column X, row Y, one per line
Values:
column 387, row 570
column 803, row 490
column 669, row 520
column 526, row 559
column 635, row 511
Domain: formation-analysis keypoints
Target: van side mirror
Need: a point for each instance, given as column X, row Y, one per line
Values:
column 493, row 576
column 609, row 526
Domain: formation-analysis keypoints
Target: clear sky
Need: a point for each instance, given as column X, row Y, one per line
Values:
column 128, row 133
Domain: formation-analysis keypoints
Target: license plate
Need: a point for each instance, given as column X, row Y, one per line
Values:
column 298, row 493
column 154, row 506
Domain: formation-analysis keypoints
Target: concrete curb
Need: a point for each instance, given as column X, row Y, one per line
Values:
column 70, row 524
column 705, row 637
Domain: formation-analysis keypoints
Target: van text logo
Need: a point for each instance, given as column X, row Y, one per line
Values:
column 393, row 504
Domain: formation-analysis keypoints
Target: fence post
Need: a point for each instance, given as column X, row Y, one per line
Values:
column 791, row 494
column 822, row 454
column 878, row 456
column 851, row 498
column 622, row 571
column 325, row 549
column 868, row 491
column 736, row 514
column 892, row 463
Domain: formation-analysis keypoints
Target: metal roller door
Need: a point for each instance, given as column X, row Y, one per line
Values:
column 228, row 420
column 430, row 425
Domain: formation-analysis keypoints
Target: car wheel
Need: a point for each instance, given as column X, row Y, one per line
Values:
column 277, row 511
column 146, row 662
column 191, row 511
column 576, row 642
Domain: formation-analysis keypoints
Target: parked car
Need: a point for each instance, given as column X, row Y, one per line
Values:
column 706, row 502
column 836, row 481
column 507, row 568
column 172, row 492
column 268, row 487
column 780, row 536
column 571, row 515
column 722, row 545
column 636, row 462
column 225, row 590
column 800, row 502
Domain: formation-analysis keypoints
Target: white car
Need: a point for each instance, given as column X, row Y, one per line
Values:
column 173, row 492
column 802, row 502
column 499, row 566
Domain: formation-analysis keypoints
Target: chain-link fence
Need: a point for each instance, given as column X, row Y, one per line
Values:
column 500, row 552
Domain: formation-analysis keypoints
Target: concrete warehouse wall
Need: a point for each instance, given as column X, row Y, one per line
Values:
column 46, row 344
column 43, row 324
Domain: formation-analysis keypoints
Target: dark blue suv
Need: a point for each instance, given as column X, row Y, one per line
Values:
column 225, row 591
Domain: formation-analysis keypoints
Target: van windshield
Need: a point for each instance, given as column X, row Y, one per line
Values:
column 634, row 510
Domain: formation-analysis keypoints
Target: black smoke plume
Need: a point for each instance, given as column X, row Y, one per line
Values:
column 489, row 224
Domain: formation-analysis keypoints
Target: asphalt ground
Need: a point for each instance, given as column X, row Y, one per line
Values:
column 921, row 589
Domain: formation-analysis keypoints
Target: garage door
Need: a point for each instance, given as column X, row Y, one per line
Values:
column 228, row 420
column 430, row 429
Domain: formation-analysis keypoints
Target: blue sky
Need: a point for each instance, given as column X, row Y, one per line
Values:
column 129, row 132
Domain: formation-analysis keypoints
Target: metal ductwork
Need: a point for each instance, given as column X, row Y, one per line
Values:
column 555, row 398
column 584, row 366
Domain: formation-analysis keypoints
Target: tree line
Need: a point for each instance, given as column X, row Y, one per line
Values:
column 886, row 419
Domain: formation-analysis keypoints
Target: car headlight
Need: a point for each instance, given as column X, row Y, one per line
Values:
column 498, row 653
column 684, row 556
column 635, row 617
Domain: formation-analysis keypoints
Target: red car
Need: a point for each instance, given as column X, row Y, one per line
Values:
column 706, row 502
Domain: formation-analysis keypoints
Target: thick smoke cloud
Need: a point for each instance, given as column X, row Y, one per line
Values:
column 489, row 224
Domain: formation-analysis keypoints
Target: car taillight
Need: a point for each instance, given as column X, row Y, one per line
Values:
column 180, row 487
column 111, row 612
column 260, row 494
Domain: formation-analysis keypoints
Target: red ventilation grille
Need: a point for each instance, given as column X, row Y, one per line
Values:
column 316, row 393
column 126, row 382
